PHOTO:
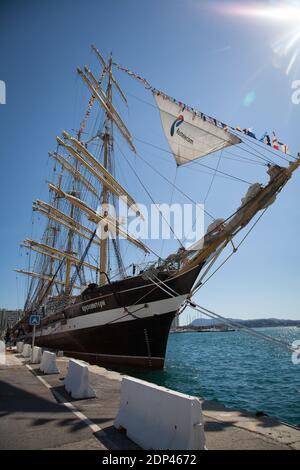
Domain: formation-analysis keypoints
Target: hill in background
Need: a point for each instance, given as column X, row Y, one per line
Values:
column 256, row 323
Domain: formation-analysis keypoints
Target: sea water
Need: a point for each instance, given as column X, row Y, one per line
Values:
column 235, row 369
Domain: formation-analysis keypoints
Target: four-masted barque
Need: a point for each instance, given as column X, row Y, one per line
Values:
column 124, row 318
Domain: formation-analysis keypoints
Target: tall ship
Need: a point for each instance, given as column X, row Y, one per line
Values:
column 93, row 305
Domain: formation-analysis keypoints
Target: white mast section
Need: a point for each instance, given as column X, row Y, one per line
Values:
column 64, row 219
column 123, row 130
column 107, row 101
column 43, row 277
column 114, row 81
column 98, row 170
column 55, row 253
column 74, row 172
column 112, row 224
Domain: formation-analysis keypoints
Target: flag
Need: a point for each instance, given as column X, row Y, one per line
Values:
column 265, row 139
column 275, row 143
column 249, row 132
column 283, row 147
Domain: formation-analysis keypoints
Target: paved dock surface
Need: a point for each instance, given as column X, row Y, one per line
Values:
column 37, row 413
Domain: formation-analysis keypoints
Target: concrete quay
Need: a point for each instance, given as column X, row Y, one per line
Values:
column 37, row 413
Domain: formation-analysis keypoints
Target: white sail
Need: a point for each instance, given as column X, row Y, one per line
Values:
column 191, row 135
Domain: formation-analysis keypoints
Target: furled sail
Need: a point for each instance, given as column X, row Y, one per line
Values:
column 191, row 135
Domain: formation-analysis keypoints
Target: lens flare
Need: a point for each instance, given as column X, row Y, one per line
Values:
column 282, row 11
column 285, row 13
column 287, row 49
column 249, row 99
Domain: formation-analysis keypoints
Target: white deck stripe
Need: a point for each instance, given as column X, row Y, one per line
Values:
column 94, row 427
column 114, row 316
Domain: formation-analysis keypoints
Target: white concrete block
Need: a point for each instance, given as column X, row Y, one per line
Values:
column 77, row 380
column 48, row 363
column 20, row 345
column 26, row 352
column 2, row 352
column 36, row 355
column 160, row 419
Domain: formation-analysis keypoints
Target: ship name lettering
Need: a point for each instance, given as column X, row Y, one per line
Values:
column 88, row 307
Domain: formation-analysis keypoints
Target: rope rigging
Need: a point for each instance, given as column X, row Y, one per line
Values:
column 44, row 263
column 259, row 144
column 242, row 157
column 195, row 290
column 171, row 202
column 213, row 177
column 189, row 303
column 240, row 327
column 173, row 185
column 263, row 146
column 149, row 195
column 79, row 266
column 195, row 162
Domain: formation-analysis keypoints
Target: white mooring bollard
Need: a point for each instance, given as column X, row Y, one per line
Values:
column 48, row 363
column 161, row 419
column 77, row 380
column 2, row 352
column 20, row 345
column 36, row 355
column 26, row 350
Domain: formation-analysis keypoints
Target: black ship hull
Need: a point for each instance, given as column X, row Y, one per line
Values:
column 121, row 324
column 137, row 343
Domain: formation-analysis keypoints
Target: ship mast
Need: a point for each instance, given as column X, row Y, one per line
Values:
column 86, row 183
column 105, row 195
column 94, row 182
column 69, row 252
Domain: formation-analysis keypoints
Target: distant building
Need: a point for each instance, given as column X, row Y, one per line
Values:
column 8, row 318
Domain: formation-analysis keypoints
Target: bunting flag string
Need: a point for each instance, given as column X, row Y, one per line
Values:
column 90, row 105
column 274, row 142
column 132, row 74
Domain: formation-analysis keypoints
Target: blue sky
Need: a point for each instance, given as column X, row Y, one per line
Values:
column 194, row 52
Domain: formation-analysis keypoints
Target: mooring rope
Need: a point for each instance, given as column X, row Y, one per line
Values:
column 240, row 327
column 215, row 316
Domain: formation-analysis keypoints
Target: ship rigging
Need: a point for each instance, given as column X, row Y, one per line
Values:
column 93, row 305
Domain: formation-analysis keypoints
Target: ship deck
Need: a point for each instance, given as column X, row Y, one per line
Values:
column 37, row 413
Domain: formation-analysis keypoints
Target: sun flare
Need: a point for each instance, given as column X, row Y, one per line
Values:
column 285, row 13
column 281, row 11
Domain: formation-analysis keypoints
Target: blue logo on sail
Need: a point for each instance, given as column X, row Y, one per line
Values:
column 176, row 123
